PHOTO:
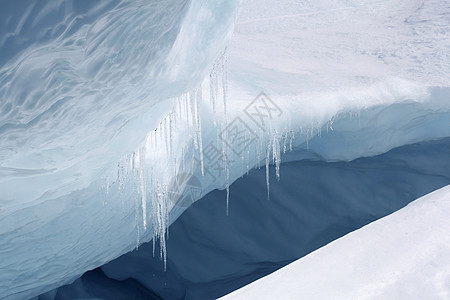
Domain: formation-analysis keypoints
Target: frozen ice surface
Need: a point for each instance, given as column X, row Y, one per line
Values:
column 100, row 109
column 81, row 85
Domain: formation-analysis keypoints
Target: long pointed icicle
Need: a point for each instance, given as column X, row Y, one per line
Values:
column 213, row 90
column 136, row 199
column 227, row 171
column 199, row 127
column 267, row 170
column 143, row 187
column 225, row 98
column 171, row 159
column 276, row 154
column 192, row 99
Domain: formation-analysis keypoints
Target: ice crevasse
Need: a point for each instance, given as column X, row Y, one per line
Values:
column 106, row 107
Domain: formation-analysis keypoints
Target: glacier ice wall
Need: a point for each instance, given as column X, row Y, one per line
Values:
column 81, row 84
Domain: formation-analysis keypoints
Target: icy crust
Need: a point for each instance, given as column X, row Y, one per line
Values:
column 402, row 256
column 328, row 44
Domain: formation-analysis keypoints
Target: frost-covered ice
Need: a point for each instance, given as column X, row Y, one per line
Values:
column 402, row 256
column 81, row 85
column 103, row 105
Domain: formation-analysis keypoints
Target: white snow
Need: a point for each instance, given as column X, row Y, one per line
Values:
column 405, row 255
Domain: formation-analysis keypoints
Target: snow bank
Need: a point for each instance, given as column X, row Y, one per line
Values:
column 402, row 256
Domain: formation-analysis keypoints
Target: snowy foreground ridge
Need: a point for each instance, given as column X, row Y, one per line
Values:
column 115, row 118
column 405, row 255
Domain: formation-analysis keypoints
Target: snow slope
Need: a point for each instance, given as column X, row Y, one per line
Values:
column 402, row 256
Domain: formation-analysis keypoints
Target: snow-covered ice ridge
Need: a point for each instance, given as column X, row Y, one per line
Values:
column 402, row 256
column 103, row 106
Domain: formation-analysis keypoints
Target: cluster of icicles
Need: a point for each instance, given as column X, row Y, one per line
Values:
column 142, row 175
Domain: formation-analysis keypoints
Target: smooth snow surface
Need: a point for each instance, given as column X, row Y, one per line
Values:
column 104, row 107
column 405, row 255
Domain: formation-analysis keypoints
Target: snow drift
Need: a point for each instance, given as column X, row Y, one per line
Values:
column 404, row 255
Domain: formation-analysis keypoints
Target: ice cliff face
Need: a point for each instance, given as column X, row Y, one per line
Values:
column 115, row 118
column 81, row 84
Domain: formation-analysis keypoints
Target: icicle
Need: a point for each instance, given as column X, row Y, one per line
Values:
column 166, row 139
column 192, row 99
column 243, row 157
column 260, row 149
column 153, row 210
column 161, row 217
column 224, row 69
column 307, row 139
column 248, row 159
column 172, row 166
column 267, row 170
column 227, row 182
column 137, row 221
column 227, row 171
column 143, row 187
column 226, row 167
column 276, row 155
column 224, row 148
column 136, row 204
column 213, row 91
column 199, row 127
column 258, row 155
column 291, row 141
